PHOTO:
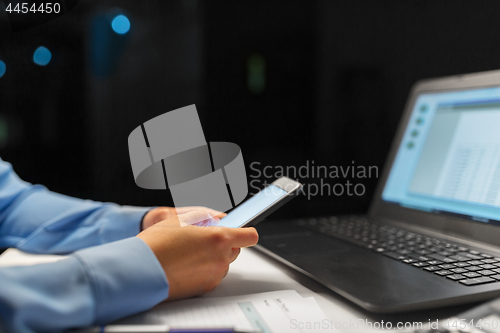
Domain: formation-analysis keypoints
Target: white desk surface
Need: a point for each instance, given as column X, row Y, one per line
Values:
column 254, row 272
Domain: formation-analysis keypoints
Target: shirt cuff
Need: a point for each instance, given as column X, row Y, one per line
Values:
column 122, row 222
column 125, row 276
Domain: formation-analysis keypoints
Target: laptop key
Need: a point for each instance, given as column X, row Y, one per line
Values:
column 460, row 258
column 459, row 270
column 461, row 264
column 449, row 260
column 394, row 255
column 441, row 258
column 489, row 261
column 486, row 272
column 455, row 277
column 475, row 262
column 434, row 262
column 420, row 264
column 476, row 281
column 436, row 256
column 470, row 255
column 418, row 257
column 496, row 277
column 473, row 268
column 488, row 266
column 445, row 272
column 472, row 275
column 410, row 261
column 432, row 268
column 497, row 270
column 447, row 266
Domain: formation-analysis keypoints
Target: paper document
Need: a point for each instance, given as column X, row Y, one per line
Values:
column 271, row 312
column 14, row 257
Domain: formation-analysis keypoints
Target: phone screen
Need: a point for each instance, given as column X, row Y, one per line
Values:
column 252, row 207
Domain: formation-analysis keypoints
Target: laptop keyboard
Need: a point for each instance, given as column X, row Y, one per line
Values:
column 450, row 260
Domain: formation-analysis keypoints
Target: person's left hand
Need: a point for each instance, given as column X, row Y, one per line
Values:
column 156, row 215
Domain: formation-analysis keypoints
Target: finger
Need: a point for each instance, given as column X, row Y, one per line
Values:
column 243, row 237
column 213, row 212
column 213, row 221
column 209, row 211
column 193, row 217
column 235, row 251
column 220, row 215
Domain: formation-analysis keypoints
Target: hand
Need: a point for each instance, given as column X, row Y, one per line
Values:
column 156, row 215
column 195, row 259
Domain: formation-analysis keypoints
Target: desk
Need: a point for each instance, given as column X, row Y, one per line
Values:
column 254, row 272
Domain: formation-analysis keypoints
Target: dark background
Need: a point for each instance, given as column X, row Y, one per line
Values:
column 336, row 77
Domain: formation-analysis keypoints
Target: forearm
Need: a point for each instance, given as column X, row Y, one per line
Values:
column 47, row 222
column 92, row 286
column 34, row 219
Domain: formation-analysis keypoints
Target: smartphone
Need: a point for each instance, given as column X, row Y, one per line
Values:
column 258, row 207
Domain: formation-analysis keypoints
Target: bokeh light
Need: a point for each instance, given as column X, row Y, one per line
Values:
column 3, row 68
column 42, row 56
column 120, row 24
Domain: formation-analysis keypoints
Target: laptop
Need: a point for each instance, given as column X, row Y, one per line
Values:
column 432, row 234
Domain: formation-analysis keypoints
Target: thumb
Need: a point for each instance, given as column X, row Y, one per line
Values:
column 193, row 217
column 243, row 237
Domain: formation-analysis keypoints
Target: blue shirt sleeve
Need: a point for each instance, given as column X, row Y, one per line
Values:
column 36, row 220
column 93, row 286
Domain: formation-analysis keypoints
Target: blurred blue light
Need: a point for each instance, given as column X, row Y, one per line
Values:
column 3, row 68
column 42, row 56
column 120, row 24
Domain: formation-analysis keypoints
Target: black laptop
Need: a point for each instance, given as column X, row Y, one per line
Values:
column 432, row 235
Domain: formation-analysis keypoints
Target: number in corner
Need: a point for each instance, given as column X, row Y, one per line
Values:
column 23, row 8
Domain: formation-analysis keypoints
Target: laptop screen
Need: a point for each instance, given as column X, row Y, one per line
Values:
column 449, row 157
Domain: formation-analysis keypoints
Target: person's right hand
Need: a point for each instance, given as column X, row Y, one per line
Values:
column 195, row 259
